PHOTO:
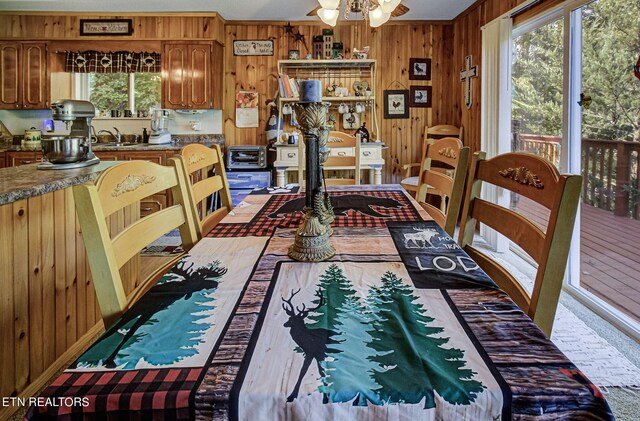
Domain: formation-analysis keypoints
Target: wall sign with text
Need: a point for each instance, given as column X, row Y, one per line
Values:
column 253, row 48
column 106, row 27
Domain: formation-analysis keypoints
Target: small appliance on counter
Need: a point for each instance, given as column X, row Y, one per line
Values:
column 74, row 150
column 246, row 157
column 159, row 127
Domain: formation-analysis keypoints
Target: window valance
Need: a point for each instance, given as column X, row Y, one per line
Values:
column 112, row 62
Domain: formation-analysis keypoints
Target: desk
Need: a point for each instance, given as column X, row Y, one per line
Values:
column 399, row 325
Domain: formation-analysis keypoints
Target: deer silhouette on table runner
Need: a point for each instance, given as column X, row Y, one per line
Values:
column 313, row 342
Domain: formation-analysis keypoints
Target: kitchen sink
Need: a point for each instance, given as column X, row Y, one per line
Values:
column 124, row 144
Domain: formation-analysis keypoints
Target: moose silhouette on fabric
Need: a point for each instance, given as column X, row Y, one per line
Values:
column 179, row 291
column 343, row 203
column 379, row 349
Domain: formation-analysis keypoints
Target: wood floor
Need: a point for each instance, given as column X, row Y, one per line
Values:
column 609, row 254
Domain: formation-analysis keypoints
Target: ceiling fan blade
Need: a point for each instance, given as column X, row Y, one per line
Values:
column 399, row 11
column 314, row 11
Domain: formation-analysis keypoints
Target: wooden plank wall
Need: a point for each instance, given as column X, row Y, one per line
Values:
column 48, row 301
column 392, row 45
column 147, row 26
column 467, row 37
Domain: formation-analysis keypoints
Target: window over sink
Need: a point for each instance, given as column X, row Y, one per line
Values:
column 119, row 91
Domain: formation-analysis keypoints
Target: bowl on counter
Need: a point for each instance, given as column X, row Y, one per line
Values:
column 63, row 150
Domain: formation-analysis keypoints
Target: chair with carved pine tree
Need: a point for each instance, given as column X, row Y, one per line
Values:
column 537, row 179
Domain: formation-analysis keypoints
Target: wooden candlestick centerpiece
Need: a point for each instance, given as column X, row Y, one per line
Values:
column 311, row 242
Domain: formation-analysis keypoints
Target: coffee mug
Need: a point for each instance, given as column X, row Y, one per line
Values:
column 343, row 108
column 286, row 109
column 127, row 113
column 115, row 113
column 359, row 107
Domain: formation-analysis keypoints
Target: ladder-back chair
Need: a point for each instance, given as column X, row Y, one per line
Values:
column 197, row 160
column 539, row 180
column 116, row 188
column 450, row 187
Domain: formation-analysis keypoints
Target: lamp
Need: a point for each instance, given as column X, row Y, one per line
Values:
column 377, row 12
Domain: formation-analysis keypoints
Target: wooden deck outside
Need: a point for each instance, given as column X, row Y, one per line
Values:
column 609, row 254
column 610, row 258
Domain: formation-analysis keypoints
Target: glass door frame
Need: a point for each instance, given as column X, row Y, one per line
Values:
column 571, row 158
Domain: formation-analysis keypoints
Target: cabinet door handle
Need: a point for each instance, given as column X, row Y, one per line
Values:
column 146, row 209
column 366, row 153
column 291, row 155
column 342, row 153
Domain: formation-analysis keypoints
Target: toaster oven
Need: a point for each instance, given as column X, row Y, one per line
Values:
column 246, row 157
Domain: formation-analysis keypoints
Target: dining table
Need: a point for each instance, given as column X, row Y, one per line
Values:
column 400, row 324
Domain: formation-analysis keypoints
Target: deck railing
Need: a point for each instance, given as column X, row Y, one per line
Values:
column 611, row 170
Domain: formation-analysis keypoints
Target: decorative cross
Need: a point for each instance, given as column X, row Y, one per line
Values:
column 465, row 76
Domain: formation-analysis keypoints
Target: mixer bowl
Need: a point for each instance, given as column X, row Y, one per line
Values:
column 63, row 150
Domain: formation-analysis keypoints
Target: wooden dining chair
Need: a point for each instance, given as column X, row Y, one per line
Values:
column 539, row 180
column 449, row 185
column 344, row 156
column 196, row 161
column 409, row 182
column 116, row 188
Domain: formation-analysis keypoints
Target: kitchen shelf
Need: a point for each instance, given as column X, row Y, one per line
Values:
column 342, row 73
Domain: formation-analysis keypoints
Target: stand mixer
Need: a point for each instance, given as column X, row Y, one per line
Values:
column 159, row 127
column 74, row 150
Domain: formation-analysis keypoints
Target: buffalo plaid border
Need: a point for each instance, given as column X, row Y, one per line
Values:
column 264, row 226
column 151, row 393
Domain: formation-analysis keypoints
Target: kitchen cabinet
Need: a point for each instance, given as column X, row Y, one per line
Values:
column 187, row 81
column 23, row 157
column 25, row 80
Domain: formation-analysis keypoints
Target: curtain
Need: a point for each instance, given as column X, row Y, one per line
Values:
column 112, row 62
column 495, row 114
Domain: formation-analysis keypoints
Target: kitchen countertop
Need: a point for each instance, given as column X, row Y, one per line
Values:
column 25, row 181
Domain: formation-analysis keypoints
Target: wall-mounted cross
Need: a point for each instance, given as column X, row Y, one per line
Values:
column 466, row 75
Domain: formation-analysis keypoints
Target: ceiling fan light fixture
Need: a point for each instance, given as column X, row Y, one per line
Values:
column 329, row 16
column 389, row 6
column 329, row 4
column 378, row 17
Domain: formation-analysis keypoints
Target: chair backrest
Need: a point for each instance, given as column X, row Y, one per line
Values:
column 197, row 161
column 345, row 155
column 539, row 180
column 116, row 188
column 449, row 185
column 438, row 132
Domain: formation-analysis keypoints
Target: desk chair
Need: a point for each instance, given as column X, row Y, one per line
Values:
column 116, row 188
column 539, row 180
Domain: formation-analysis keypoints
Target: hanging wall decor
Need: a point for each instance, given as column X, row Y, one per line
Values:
column 396, row 103
column 420, row 96
column 104, row 27
column 420, row 69
column 466, row 75
column 253, row 48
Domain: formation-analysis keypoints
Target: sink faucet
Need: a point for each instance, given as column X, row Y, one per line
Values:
column 116, row 137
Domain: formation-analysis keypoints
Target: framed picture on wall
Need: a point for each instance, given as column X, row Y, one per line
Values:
column 396, row 103
column 420, row 69
column 420, row 96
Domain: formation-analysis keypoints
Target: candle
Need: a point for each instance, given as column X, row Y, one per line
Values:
column 310, row 91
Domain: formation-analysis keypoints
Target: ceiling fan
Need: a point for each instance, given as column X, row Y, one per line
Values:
column 355, row 6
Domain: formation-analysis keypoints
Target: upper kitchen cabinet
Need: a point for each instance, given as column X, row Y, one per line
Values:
column 24, row 83
column 190, row 71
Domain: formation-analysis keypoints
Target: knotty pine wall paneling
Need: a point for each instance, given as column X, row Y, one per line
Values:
column 467, row 36
column 392, row 45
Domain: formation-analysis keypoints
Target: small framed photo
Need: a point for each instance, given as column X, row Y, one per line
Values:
column 420, row 69
column 106, row 27
column 396, row 103
column 294, row 54
column 420, row 96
